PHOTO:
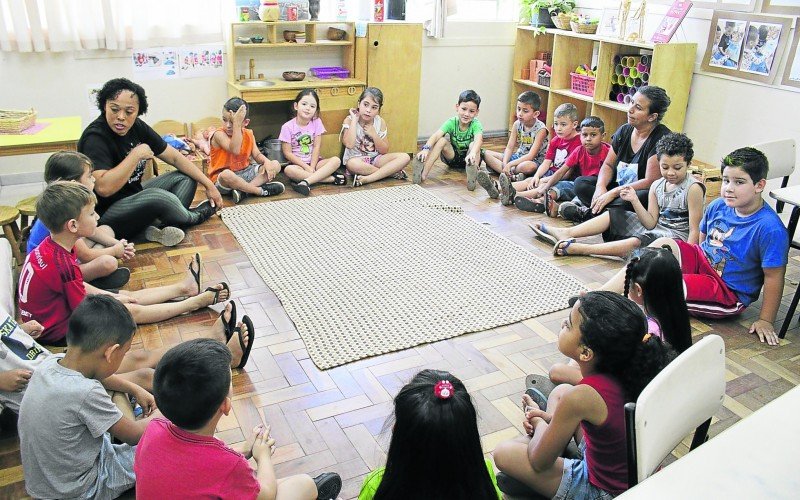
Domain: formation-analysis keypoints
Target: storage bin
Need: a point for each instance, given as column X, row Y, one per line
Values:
column 543, row 79
column 330, row 72
column 581, row 84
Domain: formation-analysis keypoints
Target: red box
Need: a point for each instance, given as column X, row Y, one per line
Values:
column 581, row 84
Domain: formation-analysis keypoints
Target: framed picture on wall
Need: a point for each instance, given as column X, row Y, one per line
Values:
column 747, row 46
column 791, row 75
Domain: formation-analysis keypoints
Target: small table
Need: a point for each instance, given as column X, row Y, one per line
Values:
column 791, row 196
column 755, row 458
column 61, row 134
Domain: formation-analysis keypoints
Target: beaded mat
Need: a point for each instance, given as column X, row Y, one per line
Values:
column 379, row 270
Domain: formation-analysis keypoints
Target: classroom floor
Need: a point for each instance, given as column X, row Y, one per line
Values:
column 334, row 420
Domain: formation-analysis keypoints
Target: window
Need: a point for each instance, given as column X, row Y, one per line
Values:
column 734, row 5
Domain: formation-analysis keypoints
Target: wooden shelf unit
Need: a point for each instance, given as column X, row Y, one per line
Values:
column 671, row 68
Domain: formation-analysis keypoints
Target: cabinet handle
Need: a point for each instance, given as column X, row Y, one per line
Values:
column 335, row 91
column 375, row 43
column 351, row 90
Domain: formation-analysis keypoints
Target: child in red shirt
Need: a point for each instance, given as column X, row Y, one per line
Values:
column 181, row 458
column 588, row 159
column 51, row 284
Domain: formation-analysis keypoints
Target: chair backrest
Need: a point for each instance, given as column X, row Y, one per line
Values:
column 209, row 121
column 781, row 155
column 685, row 395
column 165, row 127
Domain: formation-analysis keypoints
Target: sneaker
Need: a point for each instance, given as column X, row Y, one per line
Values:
column 518, row 177
column 507, row 191
column 302, row 187
column 472, row 175
column 205, row 210
column 168, row 236
column 236, row 196
column 573, row 212
column 529, row 205
column 113, row 281
column 273, row 188
column 416, row 168
column 489, row 184
column 329, row 484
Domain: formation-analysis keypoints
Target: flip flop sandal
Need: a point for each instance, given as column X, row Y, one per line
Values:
column 357, row 181
column 196, row 274
column 550, row 203
column 542, row 234
column 561, row 249
column 540, row 382
column 539, row 399
column 400, row 176
column 251, row 336
column 339, row 180
column 218, row 292
column 229, row 325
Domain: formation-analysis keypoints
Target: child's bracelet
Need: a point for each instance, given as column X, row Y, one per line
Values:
column 426, row 147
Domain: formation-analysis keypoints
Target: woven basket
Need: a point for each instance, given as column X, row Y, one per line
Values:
column 711, row 177
column 15, row 121
column 588, row 29
column 561, row 21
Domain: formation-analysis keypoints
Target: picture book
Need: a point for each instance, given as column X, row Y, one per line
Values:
column 672, row 19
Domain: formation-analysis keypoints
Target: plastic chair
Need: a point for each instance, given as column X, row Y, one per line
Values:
column 781, row 155
column 682, row 398
column 165, row 127
column 204, row 123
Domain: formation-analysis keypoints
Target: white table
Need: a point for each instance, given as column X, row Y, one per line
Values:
column 756, row 458
column 790, row 196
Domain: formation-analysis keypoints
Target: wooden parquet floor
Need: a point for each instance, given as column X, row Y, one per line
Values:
column 334, row 420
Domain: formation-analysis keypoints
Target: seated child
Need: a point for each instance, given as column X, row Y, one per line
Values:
column 527, row 143
column 67, row 419
column 435, row 451
column 366, row 153
column 457, row 143
column 674, row 210
column 567, row 139
column 743, row 245
column 51, row 284
column 181, row 458
column 606, row 334
column 560, row 187
column 20, row 355
column 301, row 140
column 99, row 252
column 237, row 165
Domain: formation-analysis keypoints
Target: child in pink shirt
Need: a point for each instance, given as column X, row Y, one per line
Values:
column 181, row 458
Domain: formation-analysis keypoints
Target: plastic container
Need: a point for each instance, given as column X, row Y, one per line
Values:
column 581, row 84
column 274, row 151
column 330, row 72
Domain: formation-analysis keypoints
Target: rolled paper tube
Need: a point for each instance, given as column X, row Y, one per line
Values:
column 612, row 95
column 618, row 69
column 616, row 89
column 631, row 62
column 633, row 90
column 633, row 72
column 645, row 60
column 641, row 67
column 644, row 77
column 626, row 99
column 626, row 71
column 637, row 82
column 623, row 89
column 617, row 59
column 613, row 79
column 624, row 60
column 629, row 81
column 621, row 97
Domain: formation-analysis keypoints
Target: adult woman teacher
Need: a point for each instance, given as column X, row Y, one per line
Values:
column 630, row 161
column 119, row 144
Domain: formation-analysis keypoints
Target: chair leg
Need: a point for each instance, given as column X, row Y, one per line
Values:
column 630, row 432
column 700, row 434
column 790, row 313
column 8, row 231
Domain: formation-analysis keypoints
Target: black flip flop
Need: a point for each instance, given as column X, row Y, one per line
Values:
column 339, row 179
column 251, row 335
column 230, row 325
column 218, row 292
column 539, row 399
column 540, row 382
column 196, row 274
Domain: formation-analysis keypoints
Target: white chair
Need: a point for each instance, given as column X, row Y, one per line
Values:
column 781, row 155
column 682, row 398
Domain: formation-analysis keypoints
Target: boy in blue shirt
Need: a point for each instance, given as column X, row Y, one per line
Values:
column 743, row 245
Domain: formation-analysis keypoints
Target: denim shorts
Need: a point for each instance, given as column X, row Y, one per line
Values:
column 575, row 481
column 247, row 174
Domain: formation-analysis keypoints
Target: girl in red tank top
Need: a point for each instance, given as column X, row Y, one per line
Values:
column 606, row 334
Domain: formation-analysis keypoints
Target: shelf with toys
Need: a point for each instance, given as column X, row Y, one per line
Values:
column 596, row 73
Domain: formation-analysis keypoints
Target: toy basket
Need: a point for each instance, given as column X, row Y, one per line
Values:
column 14, row 121
column 711, row 177
column 581, row 84
column 543, row 79
column 325, row 72
column 588, row 29
column 561, row 21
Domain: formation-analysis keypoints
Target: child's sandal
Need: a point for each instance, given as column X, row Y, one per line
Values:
column 357, row 181
column 218, row 292
column 230, row 325
column 339, row 179
column 251, row 337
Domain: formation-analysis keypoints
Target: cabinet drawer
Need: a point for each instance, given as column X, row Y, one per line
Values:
column 339, row 97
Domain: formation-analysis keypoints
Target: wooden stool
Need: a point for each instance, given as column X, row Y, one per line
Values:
column 8, row 219
column 27, row 208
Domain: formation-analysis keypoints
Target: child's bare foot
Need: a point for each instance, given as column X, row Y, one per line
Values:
column 218, row 329
column 241, row 343
column 189, row 286
column 548, row 233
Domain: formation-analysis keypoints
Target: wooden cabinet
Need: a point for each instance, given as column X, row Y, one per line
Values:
column 389, row 58
column 670, row 65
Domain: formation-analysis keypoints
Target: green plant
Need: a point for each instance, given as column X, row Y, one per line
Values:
column 553, row 6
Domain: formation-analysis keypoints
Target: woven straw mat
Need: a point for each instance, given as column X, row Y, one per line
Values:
column 376, row 271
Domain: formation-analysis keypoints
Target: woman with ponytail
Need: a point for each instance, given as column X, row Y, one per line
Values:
column 606, row 334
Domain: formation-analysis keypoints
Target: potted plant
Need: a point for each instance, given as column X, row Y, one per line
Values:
column 541, row 11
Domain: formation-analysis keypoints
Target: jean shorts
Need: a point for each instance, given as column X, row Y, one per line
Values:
column 575, row 481
column 247, row 174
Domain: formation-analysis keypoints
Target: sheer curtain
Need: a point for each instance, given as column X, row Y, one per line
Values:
column 64, row 25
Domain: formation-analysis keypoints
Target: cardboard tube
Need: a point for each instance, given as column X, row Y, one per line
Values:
column 617, row 59
column 645, row 60
column 618, row 69
column 633, row 73
column 626, row 99
column 637, row 82
column 631, row 62
column 613, row 95
column 633, row 90
column 629, row 81
column 621, row 97
column 641, row 67
column 626, row 71
column 644, row 76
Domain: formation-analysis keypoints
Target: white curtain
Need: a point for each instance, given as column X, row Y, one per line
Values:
column 435, row 23
column 64, row 25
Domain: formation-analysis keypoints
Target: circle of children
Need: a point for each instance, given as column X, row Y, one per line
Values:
column 636, row 192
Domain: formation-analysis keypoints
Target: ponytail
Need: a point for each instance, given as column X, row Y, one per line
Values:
column 649, row 358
